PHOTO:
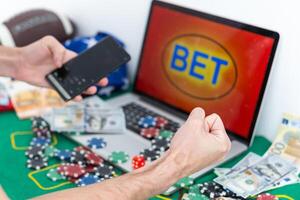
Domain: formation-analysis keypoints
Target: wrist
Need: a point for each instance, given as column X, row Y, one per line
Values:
column 9, row 61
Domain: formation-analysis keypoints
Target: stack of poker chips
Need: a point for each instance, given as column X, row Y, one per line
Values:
column 79, row 165
column 40, row 142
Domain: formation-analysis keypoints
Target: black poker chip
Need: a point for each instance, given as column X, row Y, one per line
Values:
column 78, row 157
column 160, row 143
column 151, row 154
column 37, row 162
column 34, row 151
column 215, row 190
column 104, row 171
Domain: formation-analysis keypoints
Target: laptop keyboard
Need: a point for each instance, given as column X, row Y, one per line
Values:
column 134, row 112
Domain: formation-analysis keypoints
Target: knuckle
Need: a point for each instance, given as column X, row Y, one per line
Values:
column 48, row 38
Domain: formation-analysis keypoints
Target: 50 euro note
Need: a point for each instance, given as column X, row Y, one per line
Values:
column 287, row 141
column 30, row 101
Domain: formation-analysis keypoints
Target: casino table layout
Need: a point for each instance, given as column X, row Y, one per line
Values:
column 19, row 182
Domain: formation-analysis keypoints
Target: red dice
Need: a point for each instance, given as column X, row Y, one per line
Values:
column 138, row 162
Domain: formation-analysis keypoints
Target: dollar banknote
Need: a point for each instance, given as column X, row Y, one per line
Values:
column 67, row 119
column 92, row 115
column 257, row 177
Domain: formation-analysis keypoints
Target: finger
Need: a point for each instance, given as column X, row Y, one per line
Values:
column 197, row 113
column 103, row 82
column 91, row 90
column 215, row 123
column 78, row 98
column 68, row 56
column 57, row 50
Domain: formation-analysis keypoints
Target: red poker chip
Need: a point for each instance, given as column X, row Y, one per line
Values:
column 149, row 132
column 73, row 170
column 93, row 158
column 160, row 122
column 82, row 149
column 266, row 196
column 90, row 168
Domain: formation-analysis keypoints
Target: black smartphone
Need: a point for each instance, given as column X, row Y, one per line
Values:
column 88, row 68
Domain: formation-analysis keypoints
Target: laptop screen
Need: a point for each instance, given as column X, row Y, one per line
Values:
column 192, row 59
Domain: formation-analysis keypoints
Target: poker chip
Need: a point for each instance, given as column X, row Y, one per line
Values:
column 160, row 143
column 93, row 159
column 184, row 182
column 215, row 190
column 33, row 151
column 266, row 196
column 150, row 154
column 104, row 171
column 78, row 157
column 64, row 154
column 71, row 170
column 40, row 141
column 42, row 133
column 118, row 157
column 196, row 196
column 160, row 122
column 166, row 133
column 96, row 143
column 149, row 132
column 53, row 175
column 37, row 163
column 50, row 151
column 146, row 122
column 88, row 179
column 89, row 168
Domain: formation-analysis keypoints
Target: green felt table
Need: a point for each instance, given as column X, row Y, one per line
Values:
column 22, row 183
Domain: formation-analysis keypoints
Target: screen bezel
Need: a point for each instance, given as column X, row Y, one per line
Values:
column 268, row 33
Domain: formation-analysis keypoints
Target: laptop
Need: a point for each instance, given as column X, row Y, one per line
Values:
column 193, row 59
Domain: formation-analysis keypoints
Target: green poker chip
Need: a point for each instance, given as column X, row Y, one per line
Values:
column 118, row 157
column 196, row 196
column 194, row 189
column 166, row 134
column 50, row 151
column 54, row 175
column 184, row 182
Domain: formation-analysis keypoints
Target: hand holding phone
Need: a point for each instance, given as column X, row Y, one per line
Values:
column 88, row 68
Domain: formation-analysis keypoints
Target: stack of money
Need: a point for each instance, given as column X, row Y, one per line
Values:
column 30, row 101
column 278, row 167
column 92, row 115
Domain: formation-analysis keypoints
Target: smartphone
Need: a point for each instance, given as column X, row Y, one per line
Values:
column 85, row 70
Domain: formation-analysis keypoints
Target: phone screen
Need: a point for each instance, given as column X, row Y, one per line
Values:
column 88, row 68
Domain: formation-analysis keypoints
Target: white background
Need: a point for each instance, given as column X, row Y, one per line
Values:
column 127, row 20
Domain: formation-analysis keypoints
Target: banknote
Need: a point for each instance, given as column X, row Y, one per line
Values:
column 287, row 144
column 245, row 163
column 291, row 178
column 221, row 171
column 257, row 177
column 67, row 119
column 30, row 101
column 290, row 120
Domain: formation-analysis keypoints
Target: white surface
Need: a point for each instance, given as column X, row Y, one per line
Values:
column 126, row 20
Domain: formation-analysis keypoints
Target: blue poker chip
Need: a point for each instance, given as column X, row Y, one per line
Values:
column 96, row 143
column 146, row 122
column 40, row 141
column 88, row 179
column 64, row 154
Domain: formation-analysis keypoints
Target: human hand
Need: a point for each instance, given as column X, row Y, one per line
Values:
column 38, row 59
column 200, row 142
